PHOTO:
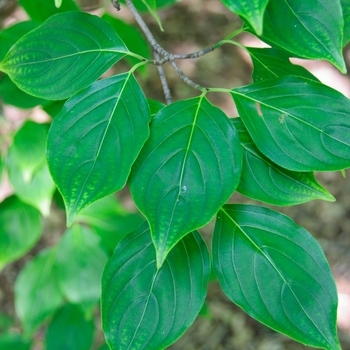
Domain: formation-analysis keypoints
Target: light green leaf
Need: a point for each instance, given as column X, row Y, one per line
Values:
column 139, row 4
column 63, row 55
column 265, row 181
column 277, row 273
column 109, row 220
column 187, row 170
column 346, row 16
column 41, row 10
column 289, row 121
column 37, row 281
column 70, row 330
column 58, row 3
column 80, row 261
column 14, row 341
column 95, row 139
column 146, row 308
column 132, row 39
column 152, row 9
column 20, row 229
column 272, row 63
column 310, row 29
column 252, row 10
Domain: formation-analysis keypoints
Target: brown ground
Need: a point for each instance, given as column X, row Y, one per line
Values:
column 190, row 26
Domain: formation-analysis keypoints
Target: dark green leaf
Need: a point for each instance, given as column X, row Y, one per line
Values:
column 265, row 181
column 63, row 55
column 109, row 220
column 310, row 29
column 95, row 139
column 80, row 261
column 37, row 281
column 346, row 15
column 273, row 63
column 54, row 107
column 299, row 124
column 188, row 168
column 146, row 308
column 20, row 229
column 155, row 106
column 277, row 272
column 69, row 330
column 12, row 341
column 40, row 10
column 252, row 10
column 132, row 39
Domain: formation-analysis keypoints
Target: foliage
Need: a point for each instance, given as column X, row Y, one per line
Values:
column 182, row 161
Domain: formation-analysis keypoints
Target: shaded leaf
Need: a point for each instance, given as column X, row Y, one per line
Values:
column 139, row 4
column 12, row 341
column 37, row 281
column 80, row 261
column 146, row 308
column 70, row 330
column 309, row 29
column 289, row 121
column 155, row 106
column 54, row 107
column 188, row 168
column 273, row 63
column 40, row 10
column 63, row 55
column 252, row 10
column 152, row 9
column 20, row 229
column 277, row 273
column 95, row 139
column 265, row 181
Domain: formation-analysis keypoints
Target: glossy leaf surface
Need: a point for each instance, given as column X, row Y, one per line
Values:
column 70, row 330
column 252, row 10
column 146, row 308
column 80, row 261
column 37, row 281
column 63, row 55
column 294, row 111
column 346, row 16
column 265, row 181
column 20, row 228
column 277, row 273
column 272, row 63
column 95, row 139
column 309, row 29
column 188, row 168
column 40, row 10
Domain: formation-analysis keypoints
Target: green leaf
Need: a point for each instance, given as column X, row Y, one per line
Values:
column 252, row 10
column 37, row 281
column 1, row 168
column 277, row 273
column 146, row 308
column 132, row 39
column 309, row 29
column 41, row 10
column 12, row 341
column 28, row 149
column 54, row 107
column 187, row 170
column 346, row 16
column 95, row 139
column 63, row 55
column 155, row 106
column 140, row 5
column 152, row 9
column 265, row 181
column 272, row 63
column 109, row 220
column 70, row 330
column 5, row 322
column 20, row 229
column 58, row 3
column 80, row 261
column 289, row 121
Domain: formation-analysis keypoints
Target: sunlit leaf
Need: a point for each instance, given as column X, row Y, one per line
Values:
column 188, row 168
column 63, row 55
column 37, row 281
column 299, row 124
column 95, row 139
column 20, row 229
column 146, row 308
column 277, row 273
column 265, row 181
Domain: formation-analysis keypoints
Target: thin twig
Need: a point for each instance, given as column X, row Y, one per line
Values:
column 162, row 76
column 186, row 79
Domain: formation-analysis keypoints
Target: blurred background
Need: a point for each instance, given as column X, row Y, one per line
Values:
column 192, row 25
